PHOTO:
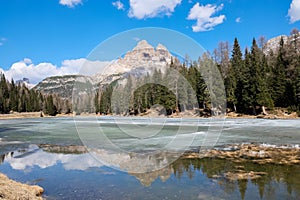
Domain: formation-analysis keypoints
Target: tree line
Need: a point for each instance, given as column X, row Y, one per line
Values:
column 260, row 79
column 19, row 98
column 264, row 78
column 257, row 80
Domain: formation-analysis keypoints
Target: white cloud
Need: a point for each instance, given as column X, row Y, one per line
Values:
column 136, row 39
column 70, row 3
column 36, row 73
column 142, row 9
column 118, row 4
column 294, row 11
column 203, row 15
column 238, row 20
column 2, row 40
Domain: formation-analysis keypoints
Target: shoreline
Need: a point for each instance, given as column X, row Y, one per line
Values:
column 28, row 115
column 258, row 153
column 10, row 189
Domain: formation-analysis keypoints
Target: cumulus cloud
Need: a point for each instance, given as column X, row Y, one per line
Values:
column 70, row 3
column 238, row 20
column 119, row 5
column 142, row 9
column 2, row 40
column 203, row 14
column 136, row 39
column 37, row 72
column 294, row 11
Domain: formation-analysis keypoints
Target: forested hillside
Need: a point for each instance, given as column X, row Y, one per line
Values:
column 257, row 79
column 18, row 98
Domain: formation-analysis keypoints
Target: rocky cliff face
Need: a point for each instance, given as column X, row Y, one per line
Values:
column 62, row 85
column 273, row 43
column 141, row 60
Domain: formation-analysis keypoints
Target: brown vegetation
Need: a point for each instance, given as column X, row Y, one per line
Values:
column 12, row 190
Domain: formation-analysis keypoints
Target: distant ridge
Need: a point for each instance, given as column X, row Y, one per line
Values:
column 142, row 59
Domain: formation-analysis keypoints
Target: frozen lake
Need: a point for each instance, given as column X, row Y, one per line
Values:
column 121, row 150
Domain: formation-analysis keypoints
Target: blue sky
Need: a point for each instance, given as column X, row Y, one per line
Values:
column 54, row 36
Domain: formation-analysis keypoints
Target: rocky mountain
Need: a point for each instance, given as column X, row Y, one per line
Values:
column 273, row 43
column 141, row 60
column 62, row 85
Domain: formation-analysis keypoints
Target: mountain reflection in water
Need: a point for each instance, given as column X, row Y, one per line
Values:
column 186, row 178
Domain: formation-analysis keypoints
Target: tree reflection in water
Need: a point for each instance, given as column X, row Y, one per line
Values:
column 268, row 184
column 271, row 181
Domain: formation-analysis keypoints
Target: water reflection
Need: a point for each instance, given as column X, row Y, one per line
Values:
column 27, row 159
column 275, row 182
column 278, row 180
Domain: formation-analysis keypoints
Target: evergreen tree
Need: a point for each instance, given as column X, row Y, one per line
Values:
column 259, row 91
column 264, row 94
column 22, row 102
column 13, row 96
column 51, row 109
column 105, row 101
column 234, row 76
column 4, row 95
column 244, row 86
column 198, row 84
column 96, row 103
column 279, row 77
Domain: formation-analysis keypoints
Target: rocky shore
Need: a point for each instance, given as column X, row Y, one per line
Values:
column 276, row 114
column 243, row 155
column 16, row 115
column 256, row 153
column 12, row 190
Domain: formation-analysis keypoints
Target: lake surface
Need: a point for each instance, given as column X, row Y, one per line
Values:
column 137, row 158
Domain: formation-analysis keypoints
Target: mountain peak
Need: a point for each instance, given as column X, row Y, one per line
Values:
column 161, row 47
column 143, row 44
column 142, row 60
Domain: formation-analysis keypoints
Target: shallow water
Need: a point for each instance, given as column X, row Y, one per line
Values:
column 82, row 175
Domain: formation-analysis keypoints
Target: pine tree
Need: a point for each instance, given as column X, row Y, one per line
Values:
column 244, row 100
column 259, row 91
column 96, row 102
column 51, row 109
column 198, row 85
column 279, row 77
column 234, row 76
column 4, row 95
column 13, row 96
column 105, row 100
column 264, row 98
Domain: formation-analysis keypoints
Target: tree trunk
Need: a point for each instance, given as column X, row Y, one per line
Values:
column 264, row 110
